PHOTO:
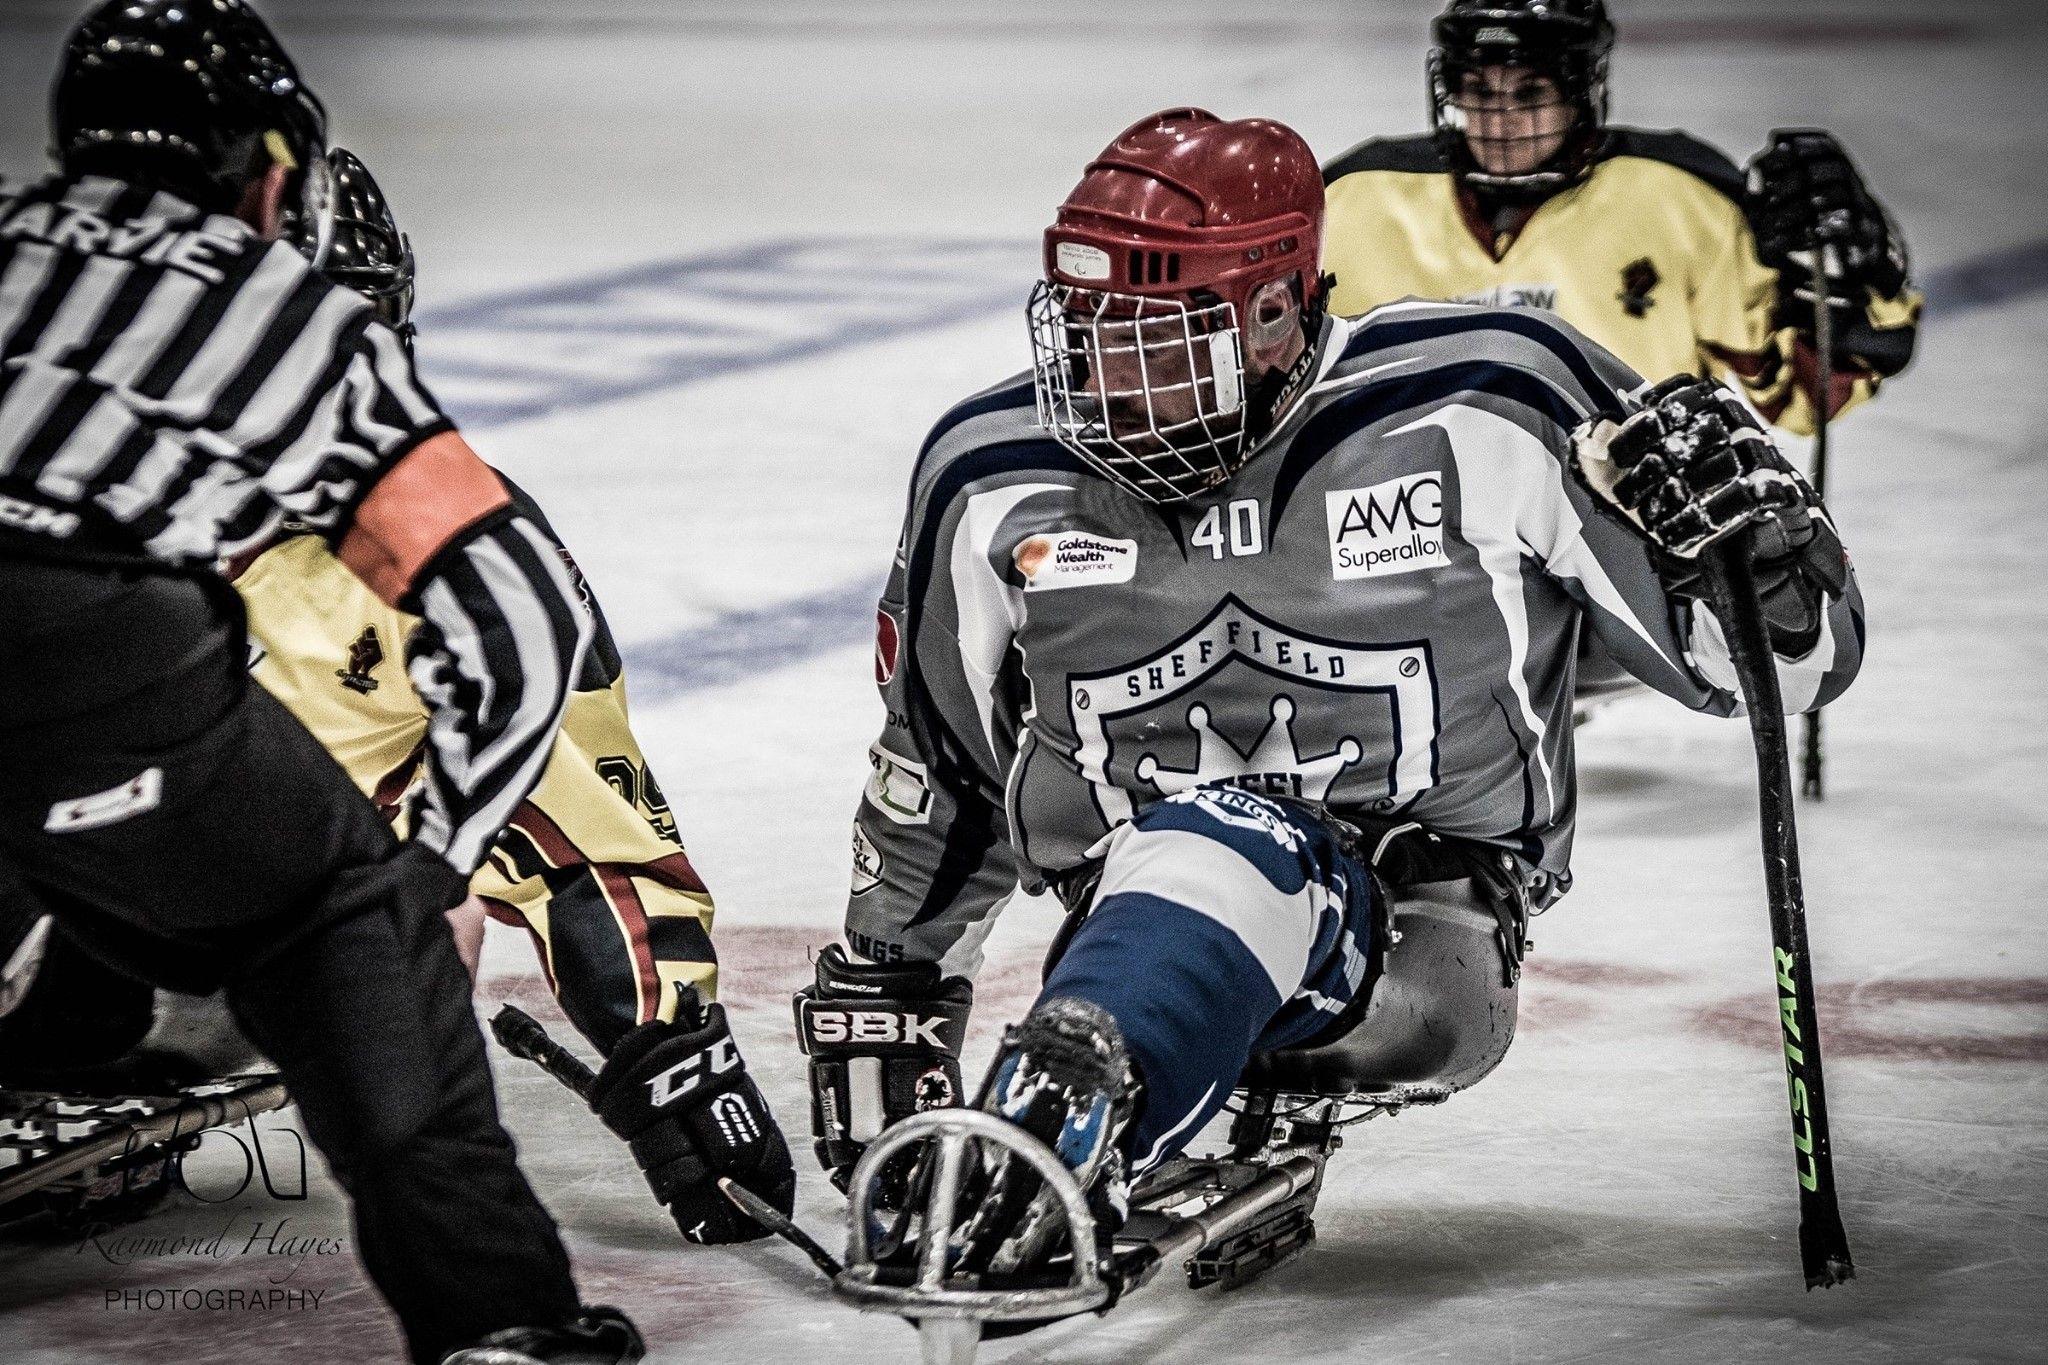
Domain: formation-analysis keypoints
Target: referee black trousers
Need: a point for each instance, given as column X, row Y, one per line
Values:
column 187, row 830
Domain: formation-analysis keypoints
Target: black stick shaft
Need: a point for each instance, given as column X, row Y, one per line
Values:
column 1812, row 781
column 1823, row 1243
column 773, row 1219
column 522, row 1035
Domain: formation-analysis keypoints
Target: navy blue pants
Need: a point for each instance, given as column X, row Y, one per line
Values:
column 1225, row 923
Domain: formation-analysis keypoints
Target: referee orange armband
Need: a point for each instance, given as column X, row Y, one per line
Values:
column 432, row 494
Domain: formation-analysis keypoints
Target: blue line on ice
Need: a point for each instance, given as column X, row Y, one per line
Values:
column 682, row 320
column 667, row 323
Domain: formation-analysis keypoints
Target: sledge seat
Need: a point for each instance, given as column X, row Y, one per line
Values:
column 1439, row 1018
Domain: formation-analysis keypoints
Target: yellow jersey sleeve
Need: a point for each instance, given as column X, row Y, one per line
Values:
column 591, row 864
column 1779, row 367
column 328, row 648
column 1651, row 255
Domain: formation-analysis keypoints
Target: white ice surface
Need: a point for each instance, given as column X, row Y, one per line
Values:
column 1622, row 1188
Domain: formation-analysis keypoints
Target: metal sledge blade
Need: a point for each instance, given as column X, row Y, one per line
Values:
column 948, row 1341
column 936, row 1293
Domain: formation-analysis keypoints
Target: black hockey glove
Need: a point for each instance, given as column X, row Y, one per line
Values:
column 884, row 1043
column 1803, row 187
column 680, row 1096
column 1693, row 468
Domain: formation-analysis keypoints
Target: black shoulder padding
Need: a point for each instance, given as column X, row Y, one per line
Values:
column 1682, row 150
column 1416, row 155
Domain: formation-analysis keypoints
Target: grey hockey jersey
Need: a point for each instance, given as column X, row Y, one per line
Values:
column 1380, row 611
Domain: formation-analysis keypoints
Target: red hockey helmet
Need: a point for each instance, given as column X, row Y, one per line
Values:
column 1183, row 262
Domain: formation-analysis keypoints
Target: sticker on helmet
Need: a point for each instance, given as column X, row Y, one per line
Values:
column 1081, row 261
column 1223, row 364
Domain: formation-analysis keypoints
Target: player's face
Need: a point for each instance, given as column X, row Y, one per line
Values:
column 1515, row 118
column 1158, row 391
column 1156, row 376
column 1147, row 365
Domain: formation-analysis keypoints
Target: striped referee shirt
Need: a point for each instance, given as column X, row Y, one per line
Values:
column 172, row 384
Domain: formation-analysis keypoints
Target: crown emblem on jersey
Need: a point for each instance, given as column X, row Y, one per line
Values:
column 1275, row 762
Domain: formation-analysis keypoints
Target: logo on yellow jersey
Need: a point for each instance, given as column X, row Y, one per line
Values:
column 1638, row 278
column 363, row 656
column 1542, row 296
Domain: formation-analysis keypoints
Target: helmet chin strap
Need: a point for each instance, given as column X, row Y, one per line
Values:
column 316, row 210
column 310, row 223
column 1274, row 395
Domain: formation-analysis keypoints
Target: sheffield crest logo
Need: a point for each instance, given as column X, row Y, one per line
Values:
column 1394, row 527
column 1244, row 701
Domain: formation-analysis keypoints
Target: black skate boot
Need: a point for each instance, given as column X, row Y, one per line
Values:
column 1063, row 1077
column 598, row 1336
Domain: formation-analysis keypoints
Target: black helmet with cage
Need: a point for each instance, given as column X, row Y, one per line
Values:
column 195, row 97
column 367, row 252
column 1564, row 42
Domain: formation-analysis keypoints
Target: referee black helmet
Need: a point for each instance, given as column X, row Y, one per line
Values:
column 196, row 97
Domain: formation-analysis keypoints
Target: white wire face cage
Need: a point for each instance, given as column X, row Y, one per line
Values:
column 1149, row 391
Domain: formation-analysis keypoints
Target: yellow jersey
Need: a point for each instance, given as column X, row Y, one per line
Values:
column 1651, row 255
column 591, row 864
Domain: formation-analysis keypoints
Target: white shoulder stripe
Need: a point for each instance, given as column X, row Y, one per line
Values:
column 989, row 609
column 1511, row 499
column 1799, row 680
